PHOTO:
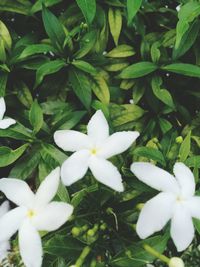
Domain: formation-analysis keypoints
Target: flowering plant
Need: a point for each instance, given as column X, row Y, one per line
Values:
column 99, row 133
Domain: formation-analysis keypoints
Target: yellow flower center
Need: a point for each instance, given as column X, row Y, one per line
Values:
column 93, row 151
column 30, row 213
column 180, row 199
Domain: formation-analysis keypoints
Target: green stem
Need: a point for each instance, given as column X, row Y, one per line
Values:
column 155, row 253
column 82, row 257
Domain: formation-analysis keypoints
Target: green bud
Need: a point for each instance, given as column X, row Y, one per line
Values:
column 176, row 262
column 91, row 232
column 84, row 227
column 179, row 140
column 76, row 231
column 140, row 206
column 103, row 226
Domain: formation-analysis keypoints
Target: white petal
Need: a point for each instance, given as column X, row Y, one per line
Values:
column 185, row 179
column 98, row 129
column 155, row 214
column 70, row 140
column 2, row 107
column 5, row 123
column 53, row 216
column 75, row 167
column 193, row 204
column 155, row 177
column 17, row 191
column 4, row 248
column 11, row 222
column 4, row 208
column 47, row 189
column 118, row 143
column 30, row 245
column 182, row 229
column 106, row 173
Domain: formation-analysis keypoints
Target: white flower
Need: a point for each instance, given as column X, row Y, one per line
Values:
column 35, row 213
column 176, row 202
column 4, row 123
column 4, row 245
column 92, row 151
column 176, row 262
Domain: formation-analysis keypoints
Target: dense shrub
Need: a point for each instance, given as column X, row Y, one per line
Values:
column 138, row 61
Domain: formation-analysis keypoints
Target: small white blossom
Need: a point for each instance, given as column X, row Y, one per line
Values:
column 92, row 151
column 36, row 212
column 4, row 245
column 178, row 8
column 176, row 202
column 4, row 123
column 176, row 262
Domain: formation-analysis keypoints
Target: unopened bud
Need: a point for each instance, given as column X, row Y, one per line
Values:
column 179, row 140
column 176, row 262
column 75, row 231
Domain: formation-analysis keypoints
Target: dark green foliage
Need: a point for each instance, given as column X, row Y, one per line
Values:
column 138, row 61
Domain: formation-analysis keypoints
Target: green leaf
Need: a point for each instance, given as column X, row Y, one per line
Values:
column 193, row 161
column 36, row 116
column 85, row 66
column 38, row 5
column 122, row 114
column 184, row 69
column 115, row 23
column 137, row 70
column 8, row 156
column 88, row 8
column 150, row 153
column 27, row 164
column 81, row 86
column 23, row 94
column 63, row 246
column 132, row 8
column 35, row 49
column 17, row 132
column 185, row 147
column 187, row 40
column 53, row 28
column 121, row 51
column 136, row 256
column 186, row 15
column 17, row 6
column 48, row 68
column 5, row 36
column 3, row 82
column 165, row 125
column 100, row 88
column 56, row 154
column 86, row 44
column 162, row 94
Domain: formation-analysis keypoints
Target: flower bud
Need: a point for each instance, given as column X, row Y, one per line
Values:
column 91, row 232
column 179, row 139
column 176, row 262
column 75, row 231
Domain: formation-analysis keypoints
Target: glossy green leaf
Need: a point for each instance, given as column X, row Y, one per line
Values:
column 132, row 8
column 48, row 68
column 184, row 69
column 88, row 8
column 53, row 28
column 115, row 23
column 8, row 156
column 81, row 86
column 137, row 70
column 36, row 116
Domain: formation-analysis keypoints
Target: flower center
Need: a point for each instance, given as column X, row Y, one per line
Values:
column 31, row 214
column 180, row 199
column 93, row 151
